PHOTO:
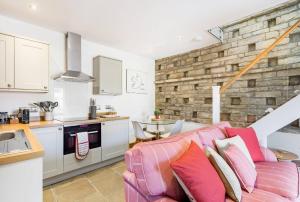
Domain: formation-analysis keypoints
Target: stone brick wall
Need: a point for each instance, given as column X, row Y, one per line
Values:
column 183, row 82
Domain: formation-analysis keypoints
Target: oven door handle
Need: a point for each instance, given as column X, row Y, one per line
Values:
column 74, row 134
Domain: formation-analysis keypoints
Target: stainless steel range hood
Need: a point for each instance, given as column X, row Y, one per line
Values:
column 73, row 52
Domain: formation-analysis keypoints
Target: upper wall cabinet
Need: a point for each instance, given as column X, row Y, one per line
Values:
column 31, row 65
column 6, row 62
column 108, row 75
column 24, row 64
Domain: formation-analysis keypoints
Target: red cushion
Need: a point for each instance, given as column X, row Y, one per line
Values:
column 198, row 175
column 250, row 139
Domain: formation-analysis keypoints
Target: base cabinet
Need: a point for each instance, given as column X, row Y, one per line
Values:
column 52, row 140
column 71, row 163
column 114, row 138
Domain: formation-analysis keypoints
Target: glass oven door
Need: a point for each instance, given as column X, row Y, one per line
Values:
column 93, row 130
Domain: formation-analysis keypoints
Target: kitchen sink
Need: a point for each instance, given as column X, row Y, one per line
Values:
column 7, row 136
column 13, row 142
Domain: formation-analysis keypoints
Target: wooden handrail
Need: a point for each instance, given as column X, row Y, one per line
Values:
column 258, row 57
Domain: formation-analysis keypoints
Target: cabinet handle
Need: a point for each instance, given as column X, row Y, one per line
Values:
column 8, row 85
column 103, row 124
column 59, row 128
column 45, row 87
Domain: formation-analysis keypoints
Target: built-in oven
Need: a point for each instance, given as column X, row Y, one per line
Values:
column 94, row 133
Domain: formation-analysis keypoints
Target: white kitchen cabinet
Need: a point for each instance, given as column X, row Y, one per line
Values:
column 6, row 61
column 114, row 138
column 31, row 65
column 108, row 76
column 52, row 140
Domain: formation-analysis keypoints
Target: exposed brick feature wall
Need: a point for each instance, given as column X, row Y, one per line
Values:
column 183, row 82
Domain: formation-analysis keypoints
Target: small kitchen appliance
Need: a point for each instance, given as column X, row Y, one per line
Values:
column 3, row 117
column 24, row 115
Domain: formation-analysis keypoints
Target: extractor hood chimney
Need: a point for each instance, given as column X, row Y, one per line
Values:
column 73, row 52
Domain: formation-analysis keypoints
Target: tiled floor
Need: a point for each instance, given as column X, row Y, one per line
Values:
column 102, row 185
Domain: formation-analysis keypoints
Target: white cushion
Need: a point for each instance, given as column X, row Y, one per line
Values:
column 229, row 179
column 237, row 141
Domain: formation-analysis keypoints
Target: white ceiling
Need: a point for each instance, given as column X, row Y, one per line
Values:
column 152, row 28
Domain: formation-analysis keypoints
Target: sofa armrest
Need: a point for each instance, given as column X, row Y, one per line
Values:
column 132, row 192
column 268, row 154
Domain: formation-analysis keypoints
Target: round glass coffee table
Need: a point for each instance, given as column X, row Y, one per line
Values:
column 157, row 123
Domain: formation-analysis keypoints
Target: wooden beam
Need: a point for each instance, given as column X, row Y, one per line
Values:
column 259, row 57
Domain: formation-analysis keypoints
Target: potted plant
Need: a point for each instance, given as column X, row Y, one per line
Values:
column 157, row 114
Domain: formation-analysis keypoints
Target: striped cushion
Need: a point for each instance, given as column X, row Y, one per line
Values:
column 242, row 167
column 229, row 179
column 278, row 177
column 238, row 142
column 150, row 162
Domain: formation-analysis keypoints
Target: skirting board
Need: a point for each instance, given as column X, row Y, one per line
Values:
column 80, row 171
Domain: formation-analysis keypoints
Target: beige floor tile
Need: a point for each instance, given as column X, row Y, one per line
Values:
column 110, row 185
column 119, row 170
column 48, row 195
column 95, row 197
column 117, row 197
column 102, row 185
column 75, row 190
column 101, row 174
column 118, row 164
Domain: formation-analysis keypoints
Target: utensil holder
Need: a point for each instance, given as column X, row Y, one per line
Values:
column 49, row 116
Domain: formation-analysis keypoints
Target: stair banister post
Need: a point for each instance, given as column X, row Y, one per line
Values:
column 216, row 104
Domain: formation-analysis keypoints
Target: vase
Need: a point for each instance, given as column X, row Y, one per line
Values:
column 49, row 116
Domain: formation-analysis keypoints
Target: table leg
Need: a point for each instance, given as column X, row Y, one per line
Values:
column 157, row 132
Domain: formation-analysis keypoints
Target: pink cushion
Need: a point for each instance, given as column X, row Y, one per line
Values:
column 278, row 177
column 208, row 135
column 197, row 174
column 150, row 162
column 242, row 167
column 250, row 139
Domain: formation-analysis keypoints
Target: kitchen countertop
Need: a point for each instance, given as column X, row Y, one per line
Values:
column 98, row 120
column 43, row 124
column 37, row 149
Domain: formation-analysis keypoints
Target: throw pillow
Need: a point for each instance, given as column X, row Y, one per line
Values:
column 237, row 141
column 228, row 177
column 195, row 172
column 242, row 167
column 250, row 139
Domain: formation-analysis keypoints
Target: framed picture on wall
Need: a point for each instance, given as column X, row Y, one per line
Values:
column 136, row 81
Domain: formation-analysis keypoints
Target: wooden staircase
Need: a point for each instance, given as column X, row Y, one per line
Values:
column 260, row 56
column 277, row 119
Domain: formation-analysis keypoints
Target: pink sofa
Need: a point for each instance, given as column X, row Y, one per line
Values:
column 149, row 176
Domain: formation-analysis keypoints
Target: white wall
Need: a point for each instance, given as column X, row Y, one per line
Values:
column 277, row 119
column 74, row 97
